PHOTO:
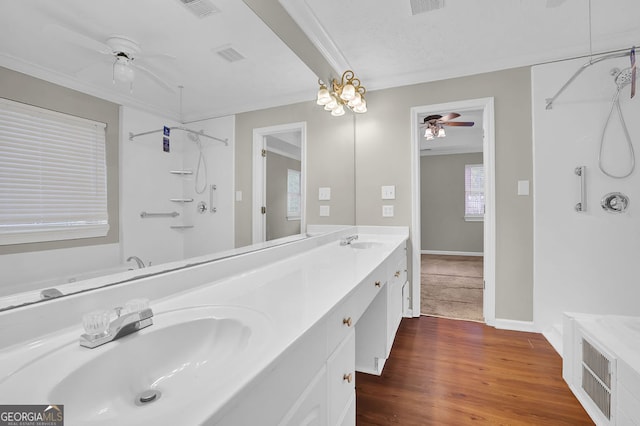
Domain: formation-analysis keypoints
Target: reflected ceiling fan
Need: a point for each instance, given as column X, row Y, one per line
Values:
column 126, row 52
column 435, row 124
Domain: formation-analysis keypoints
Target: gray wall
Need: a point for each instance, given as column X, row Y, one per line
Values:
column 383, row 148
column 276, row 199
column 442, row 192
column 23, row 88
column 330, row 160
column 383, row 157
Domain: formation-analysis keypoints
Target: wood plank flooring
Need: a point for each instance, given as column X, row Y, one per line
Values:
column 449, row 372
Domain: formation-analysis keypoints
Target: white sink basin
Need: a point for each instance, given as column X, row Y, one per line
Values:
column 364, row 244
column 185, row 358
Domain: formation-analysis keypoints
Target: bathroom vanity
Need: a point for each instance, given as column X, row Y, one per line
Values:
column 270, row 337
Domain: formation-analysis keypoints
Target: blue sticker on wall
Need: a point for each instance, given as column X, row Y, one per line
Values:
column 165, row 144
column 166, row 131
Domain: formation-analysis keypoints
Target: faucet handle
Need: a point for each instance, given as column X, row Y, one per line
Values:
column 136, row 305
column 96, row 323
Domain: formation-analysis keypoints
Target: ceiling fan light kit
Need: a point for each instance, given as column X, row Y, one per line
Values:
column 435, row 124
column 348, row 92
column 122, row 70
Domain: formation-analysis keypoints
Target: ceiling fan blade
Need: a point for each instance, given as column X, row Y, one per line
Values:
column 632, row 54
column 58, row 32
column 459, row 123
column 450, row 116
column 159, row 81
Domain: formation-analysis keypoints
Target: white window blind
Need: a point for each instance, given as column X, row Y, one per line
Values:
column 52, row 175
column 293, row 194
column 473, row 192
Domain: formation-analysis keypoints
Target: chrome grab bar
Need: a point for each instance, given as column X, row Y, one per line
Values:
column 171, row 214
column 581, row 171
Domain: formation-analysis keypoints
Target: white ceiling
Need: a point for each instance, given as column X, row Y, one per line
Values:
column 379, row 39
column 32, row 41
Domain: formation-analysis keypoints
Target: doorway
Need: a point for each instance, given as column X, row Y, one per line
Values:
column 279, row 181
column 483, row 107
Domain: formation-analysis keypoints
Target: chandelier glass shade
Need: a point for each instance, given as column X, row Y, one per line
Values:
column 346, row 93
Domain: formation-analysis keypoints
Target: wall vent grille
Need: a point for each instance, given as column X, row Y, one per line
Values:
column 230, row 54
column 597, row 362
column 422, row 6
column 200, row 8
column 596, row 377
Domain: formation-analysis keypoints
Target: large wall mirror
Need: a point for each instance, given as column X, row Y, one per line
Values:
column 214, row 206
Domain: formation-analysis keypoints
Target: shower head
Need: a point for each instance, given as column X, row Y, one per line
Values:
column 622, row 78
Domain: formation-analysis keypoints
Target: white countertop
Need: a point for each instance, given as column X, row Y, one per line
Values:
column 293, row 293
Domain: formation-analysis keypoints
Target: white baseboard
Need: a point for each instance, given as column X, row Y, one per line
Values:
column 554, row 337
column 506, row 324
column 453, row 253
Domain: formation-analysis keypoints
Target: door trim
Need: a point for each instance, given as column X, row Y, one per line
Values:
column 488, row 124
column 258, row 225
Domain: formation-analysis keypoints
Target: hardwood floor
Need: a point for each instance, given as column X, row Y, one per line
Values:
column 449, row 372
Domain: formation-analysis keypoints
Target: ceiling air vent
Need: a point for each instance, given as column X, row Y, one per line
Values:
column 229, row 54
column 422, row 6
column 200, row 8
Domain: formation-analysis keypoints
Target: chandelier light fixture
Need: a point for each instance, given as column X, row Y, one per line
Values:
column 347, row 93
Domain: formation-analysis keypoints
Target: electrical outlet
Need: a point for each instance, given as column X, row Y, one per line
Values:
column 324, row 211
column 387, row 211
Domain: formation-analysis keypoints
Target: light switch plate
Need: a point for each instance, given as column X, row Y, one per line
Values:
column 324, row 211
column 387, row 211
column 389, row 192
column 324, row 194
column 523, row 187
column 238, row 195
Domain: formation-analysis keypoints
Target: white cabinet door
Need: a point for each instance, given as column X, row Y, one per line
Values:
column 311, row 407
column 341, row 377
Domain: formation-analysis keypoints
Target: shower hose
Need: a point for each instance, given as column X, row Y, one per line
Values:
column 615, row 102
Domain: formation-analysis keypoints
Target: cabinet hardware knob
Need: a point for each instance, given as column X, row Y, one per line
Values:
column 347, row 321
column 377, row 283
column 397, row 274
column 347, row 377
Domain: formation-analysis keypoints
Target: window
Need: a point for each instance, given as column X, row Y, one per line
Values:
column 293, row 194
column 52, row 175
column 474, row 192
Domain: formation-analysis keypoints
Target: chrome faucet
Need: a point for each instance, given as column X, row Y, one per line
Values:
column 101, row 330
column 348, row 240
column 138, row 261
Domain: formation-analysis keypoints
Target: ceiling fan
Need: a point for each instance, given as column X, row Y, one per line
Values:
column 435, row 124
column 126, row 52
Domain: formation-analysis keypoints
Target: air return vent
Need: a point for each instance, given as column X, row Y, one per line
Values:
column 596, row 377
column 229, row 54
column 422, row 6
column 200, row 8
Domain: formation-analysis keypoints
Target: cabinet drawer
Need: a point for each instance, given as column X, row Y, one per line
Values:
column 344, row 317
column 341, row 377
column 311, row 407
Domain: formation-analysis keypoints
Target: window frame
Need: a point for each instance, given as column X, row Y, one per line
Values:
column 294, row 214
column 468, row 190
